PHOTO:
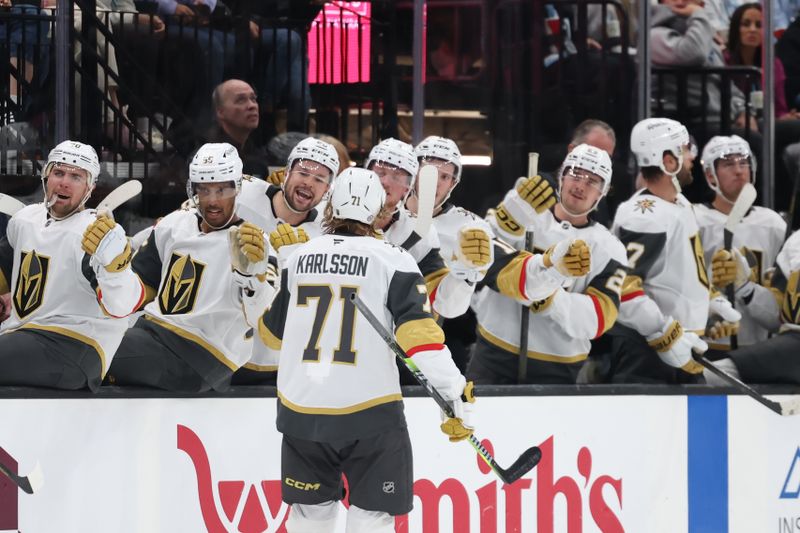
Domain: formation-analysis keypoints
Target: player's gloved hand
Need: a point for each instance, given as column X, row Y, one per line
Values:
column 719, row 329
column 106, row 242
column 248, row 250
column 475, row 252
column 286, row 235
column 720, row 307
column 537, row 192
column 729, row 266
column 277, row 177
column 569, row 258
column 675, row 347
column 460, row 427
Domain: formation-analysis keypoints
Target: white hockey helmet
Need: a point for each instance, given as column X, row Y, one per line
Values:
column 440, row 148
column 76, row 154
column 214, row 163
column 357, row 195
column 591, row 159
column 719, row 147
column 651, row 137
column 313, row 149
column 395, row 153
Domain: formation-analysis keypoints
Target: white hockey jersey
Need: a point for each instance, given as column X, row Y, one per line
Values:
column 54, row 288
column 667, row 266
column 338, row 378
column 583, row 311
column 189, row 273
column 448, row 222
column 254, row 205
column 761, row 231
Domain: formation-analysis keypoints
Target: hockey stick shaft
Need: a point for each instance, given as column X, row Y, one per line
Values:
column 750, row 391
column 526, row 462
column 525, row 317
column 730, row 294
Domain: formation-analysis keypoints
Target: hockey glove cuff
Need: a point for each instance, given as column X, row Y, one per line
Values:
column 675, row 347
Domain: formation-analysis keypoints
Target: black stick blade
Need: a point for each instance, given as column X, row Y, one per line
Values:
column 524, row 464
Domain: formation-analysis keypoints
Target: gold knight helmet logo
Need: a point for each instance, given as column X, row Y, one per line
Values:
column 179, row 290
column 31, row 282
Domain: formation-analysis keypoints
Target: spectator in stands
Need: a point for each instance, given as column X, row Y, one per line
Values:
column 745, row 39
column 682, row 36
column 721, row 11
column 236, row 117
column 280, row 63
column 15, row 32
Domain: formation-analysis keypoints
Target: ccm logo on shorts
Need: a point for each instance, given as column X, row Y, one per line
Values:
column 301, row 485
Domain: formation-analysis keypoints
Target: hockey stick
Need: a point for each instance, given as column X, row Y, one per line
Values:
column 120, row 195
column 9, row 205
column 740, row 208
column 30, row 483
column 426, row 198
column 784, row 408
column 524, row 463
column 524, row 323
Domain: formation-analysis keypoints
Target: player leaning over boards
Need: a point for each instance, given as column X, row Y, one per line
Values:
column 729, row 165
column 667, row 298
column 289, row 214
column 339, row 403
column 396, row 165
column 465, row 239
column 585, row 258
column 71, row 285
column 205, row 271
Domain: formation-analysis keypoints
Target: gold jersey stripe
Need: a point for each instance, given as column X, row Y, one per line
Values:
column 511, row 279
column 73, row 335
column 180, row 332
column 631, row 284
column 433, row 279
column 268, row 337
column 261, row 368
column 4, row 288
column 507, row 346
column 608, row 310
column 339, row 410
column 417, row 332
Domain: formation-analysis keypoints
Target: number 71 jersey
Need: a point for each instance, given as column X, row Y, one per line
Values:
column 332, row 362
column 665, row 257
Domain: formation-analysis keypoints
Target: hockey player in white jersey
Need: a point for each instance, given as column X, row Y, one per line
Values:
column 729, row 165
column 667, row 299
column 588, row 262
column 465, row 239
column 68, row 271
column 774, row 360
column 310, row 169
column 339, row 403
column 396, row 165
column 205, row 270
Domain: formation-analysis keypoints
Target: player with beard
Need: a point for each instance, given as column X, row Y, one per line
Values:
column 583, row 256
column 667, row 299
column 729, row 165
column 70, row 280
column 205, row 271
column 289, row 215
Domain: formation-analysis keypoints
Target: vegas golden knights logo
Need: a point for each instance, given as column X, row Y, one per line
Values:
column 31, row 281
column 179, row 290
